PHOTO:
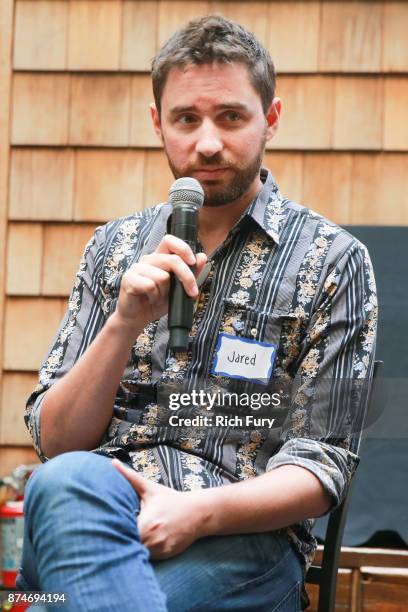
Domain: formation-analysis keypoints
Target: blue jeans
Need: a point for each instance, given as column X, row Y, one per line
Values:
column 81, row 538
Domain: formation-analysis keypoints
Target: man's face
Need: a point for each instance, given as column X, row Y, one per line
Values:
column 213, row 128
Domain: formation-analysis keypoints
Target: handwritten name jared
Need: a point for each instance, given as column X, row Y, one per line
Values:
column 239, row 358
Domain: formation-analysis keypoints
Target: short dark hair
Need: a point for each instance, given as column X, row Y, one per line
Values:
column 214, row 38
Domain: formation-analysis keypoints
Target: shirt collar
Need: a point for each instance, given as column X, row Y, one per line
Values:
column 267, row 208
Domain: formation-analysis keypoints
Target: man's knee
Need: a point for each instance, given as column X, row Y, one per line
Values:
column 57, row 472
column 72, row 475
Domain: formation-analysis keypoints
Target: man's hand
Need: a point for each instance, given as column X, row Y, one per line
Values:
column 144, row 288
column 169, row 520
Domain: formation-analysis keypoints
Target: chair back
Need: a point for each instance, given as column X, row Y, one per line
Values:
column 325, row 576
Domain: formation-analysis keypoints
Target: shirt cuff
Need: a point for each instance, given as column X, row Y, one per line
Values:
column 32, row 419
column 332, row 465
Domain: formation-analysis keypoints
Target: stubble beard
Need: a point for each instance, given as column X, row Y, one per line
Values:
column 235, row 187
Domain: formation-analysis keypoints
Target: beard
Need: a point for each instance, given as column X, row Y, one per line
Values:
column 217, row 193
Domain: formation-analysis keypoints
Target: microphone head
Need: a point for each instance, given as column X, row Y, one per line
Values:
column 186, row 189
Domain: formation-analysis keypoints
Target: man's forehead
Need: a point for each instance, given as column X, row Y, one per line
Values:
column 207, row 70
column 186, row 85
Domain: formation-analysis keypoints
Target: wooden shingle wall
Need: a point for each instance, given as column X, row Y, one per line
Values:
column 77, row 147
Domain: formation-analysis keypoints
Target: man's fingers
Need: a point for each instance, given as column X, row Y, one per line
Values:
column 173, row 263
column 158, row 276
column 140, row 484
column 173, row 255
column 173, row 244
column 145, row 286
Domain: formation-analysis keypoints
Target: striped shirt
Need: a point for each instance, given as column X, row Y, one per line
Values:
column 284, row 276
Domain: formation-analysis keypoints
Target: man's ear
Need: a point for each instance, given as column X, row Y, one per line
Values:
column 154, row 113
column 272, row 118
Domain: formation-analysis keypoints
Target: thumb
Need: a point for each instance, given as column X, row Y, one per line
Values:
column 140, row 484
column 201, row 260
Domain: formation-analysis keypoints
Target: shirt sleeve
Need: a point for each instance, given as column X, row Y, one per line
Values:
column 82, row 321
column 330, row 396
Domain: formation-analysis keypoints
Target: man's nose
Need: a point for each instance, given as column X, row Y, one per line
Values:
column 209, row 141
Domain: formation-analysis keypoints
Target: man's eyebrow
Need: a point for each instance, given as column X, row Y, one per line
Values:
column 182, row 109
column 176, row 110
column 232, row 105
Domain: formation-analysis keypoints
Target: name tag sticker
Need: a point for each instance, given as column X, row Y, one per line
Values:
column 244, row 358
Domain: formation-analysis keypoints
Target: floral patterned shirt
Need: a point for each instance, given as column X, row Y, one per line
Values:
column 284, row 276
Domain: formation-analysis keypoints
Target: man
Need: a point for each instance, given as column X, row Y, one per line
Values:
column 223, row 512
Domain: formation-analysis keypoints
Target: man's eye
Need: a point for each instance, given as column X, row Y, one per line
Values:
column 186, row 119
column 232, row 116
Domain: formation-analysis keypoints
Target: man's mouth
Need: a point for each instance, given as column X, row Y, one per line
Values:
column 209, row 172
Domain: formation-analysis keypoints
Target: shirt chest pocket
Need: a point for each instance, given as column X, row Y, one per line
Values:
column 252, row 323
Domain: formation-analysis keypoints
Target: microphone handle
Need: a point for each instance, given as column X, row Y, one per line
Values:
column 181, row 306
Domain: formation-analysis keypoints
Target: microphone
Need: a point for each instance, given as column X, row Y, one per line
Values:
column 186, row 196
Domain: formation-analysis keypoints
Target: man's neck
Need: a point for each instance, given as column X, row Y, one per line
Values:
column 216, row 221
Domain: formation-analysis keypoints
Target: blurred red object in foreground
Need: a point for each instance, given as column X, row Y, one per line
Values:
column 11, row 536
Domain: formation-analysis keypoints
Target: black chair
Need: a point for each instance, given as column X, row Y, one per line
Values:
column 325, row 575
